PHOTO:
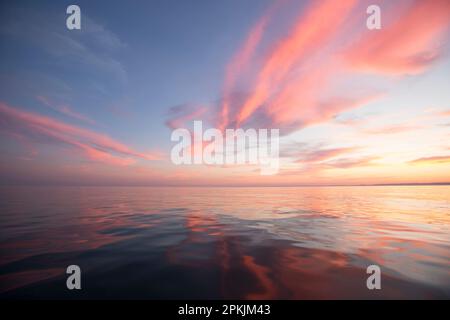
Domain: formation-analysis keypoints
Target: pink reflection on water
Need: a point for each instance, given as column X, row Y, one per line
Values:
column 262, row 243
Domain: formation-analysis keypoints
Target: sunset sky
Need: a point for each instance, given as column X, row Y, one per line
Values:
column 97, row 106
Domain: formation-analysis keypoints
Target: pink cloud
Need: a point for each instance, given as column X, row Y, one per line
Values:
column 301, row 80
column 317, row 25
column 181, row 115
column 407, row 45
column 324, row 154
column 393, row 129
column 296, row 83
column 64, row 109
column 93, row 145
column 445, row 113
column 293, row 87
column 431, row 160
column 313, row 168
column 350, row 163
column 240, row 62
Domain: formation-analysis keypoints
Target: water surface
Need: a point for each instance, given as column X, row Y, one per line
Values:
column 249, row 243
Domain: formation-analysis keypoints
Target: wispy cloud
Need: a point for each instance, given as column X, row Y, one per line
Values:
column 347, row 163
column 64, row 109
column 93, row 145
column 315, row 169
column 431, row 160
column 409, row 44
column 393, row 129
column 240, row 62
column 444, row 113
column 316, row 26
column 295, row 85
column 324, row 154
column 181, row 115
column 95, row 47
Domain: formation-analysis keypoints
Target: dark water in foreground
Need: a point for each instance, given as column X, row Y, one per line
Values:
column 252, row 243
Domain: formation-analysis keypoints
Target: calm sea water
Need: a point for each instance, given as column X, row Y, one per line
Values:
column 251, row 243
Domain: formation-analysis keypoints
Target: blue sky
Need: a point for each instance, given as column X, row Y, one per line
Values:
column 138, row 59
column 378, row 99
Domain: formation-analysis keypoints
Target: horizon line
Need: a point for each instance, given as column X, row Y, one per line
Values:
column 227, row 186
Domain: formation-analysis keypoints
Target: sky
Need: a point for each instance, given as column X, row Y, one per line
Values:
column 97, row 106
